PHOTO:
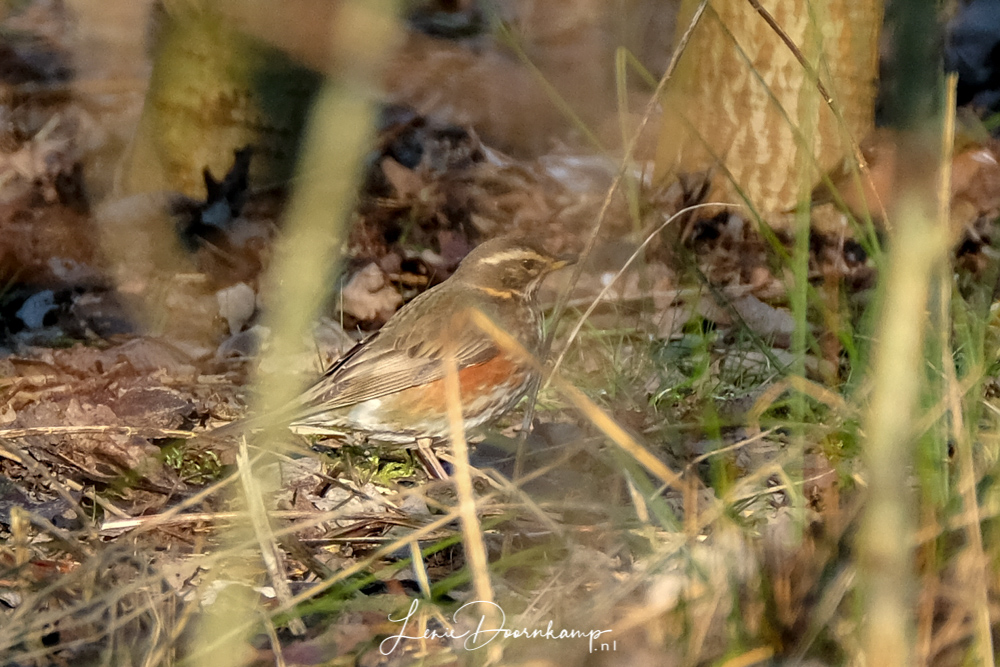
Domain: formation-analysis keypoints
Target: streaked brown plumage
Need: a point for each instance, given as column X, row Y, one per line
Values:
column 390, row 386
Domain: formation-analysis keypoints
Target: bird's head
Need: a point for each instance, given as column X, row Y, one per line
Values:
column 508, row 268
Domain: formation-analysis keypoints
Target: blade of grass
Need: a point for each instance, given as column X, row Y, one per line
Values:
column 340, row 131
column 603, row 212
column 621, row 89
column 959, row 432
column 607, row 288
column 475, row 550
column 270, row 553
column 798, row 291
column 590, row 410
column 885, row 539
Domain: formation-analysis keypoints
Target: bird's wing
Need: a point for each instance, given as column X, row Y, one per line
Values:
column 391, row 361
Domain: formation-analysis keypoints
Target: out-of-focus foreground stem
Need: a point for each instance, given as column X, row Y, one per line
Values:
column 918, row 245
column 339, row 133
column 886, row 539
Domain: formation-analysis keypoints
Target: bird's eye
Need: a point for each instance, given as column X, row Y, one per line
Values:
column 528, row 264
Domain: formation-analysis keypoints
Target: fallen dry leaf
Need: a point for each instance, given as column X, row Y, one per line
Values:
column 370, row 296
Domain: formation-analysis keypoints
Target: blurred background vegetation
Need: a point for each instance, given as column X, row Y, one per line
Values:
column 769, row 435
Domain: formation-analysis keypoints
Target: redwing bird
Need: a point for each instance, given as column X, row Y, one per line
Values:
column 390, row 386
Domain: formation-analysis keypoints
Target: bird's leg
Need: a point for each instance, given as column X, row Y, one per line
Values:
column 429, row 459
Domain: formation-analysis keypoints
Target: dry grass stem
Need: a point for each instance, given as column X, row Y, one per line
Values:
column 597, row 300
column 274, row 560
column 976, row 566
column 615, row 186
column 590, row 410
column 886, row 535
column 471, row 529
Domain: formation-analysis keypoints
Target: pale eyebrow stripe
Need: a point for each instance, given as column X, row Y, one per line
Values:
column 512, row 254
column 503, row 294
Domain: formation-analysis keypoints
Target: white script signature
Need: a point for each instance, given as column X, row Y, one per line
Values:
column 482, row 635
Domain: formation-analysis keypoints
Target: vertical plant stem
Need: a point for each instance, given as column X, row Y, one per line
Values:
column 917, row 248
column 472, row 536
column 808, row 119
column 340, row 131
column 983, row 646
column 271, row 554
column 475, row 550
column 887, row 530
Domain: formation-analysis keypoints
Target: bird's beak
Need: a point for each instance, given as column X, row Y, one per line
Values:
column 563, row 260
